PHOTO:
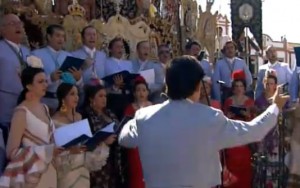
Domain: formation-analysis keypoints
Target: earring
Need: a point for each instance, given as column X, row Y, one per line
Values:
column 63, row 107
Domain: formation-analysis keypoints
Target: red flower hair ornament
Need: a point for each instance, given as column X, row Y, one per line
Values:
column 139, row 79
column 238, row 75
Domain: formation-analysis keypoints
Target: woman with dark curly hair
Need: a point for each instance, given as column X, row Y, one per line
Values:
column 111, row 175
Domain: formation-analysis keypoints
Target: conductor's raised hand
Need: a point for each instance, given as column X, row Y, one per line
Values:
column 280, row 99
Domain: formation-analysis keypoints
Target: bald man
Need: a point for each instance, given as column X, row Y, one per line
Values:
column 12, row 59
column 283, row 71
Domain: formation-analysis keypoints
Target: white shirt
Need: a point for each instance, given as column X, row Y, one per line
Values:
column 53, row 50
column 119, row 61
column 143, row 64
column 230, row 60
column 90, row 51
column 270, row 65
column 15, row 45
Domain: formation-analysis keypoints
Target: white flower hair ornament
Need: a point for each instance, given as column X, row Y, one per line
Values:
column 34, row 62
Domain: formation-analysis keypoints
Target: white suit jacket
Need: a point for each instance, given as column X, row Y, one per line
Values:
column 179, row 141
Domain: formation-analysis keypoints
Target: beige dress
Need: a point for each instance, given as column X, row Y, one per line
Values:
column 74, row 169
column 31, row 164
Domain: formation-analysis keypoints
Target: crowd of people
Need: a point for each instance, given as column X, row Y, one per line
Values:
column 36, row 97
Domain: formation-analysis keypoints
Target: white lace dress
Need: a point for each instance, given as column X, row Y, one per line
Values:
column 74, row 169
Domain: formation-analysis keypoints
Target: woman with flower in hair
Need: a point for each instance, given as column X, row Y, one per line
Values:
column 30, row 148
column 74, row 167
column 269, row 146
column 140, row 93
column 238, row 160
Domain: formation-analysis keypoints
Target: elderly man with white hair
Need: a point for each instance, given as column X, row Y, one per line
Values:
column 283, row 71
column 12, row 59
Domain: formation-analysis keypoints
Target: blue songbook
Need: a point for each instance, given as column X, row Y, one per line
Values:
column 70, row 62
column 297, row 54
column 92, row 142
column 77, row 141
column 98, row 137
column 237, row 110
column 126, row 75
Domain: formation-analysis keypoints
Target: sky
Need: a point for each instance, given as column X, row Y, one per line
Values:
column 280, row 17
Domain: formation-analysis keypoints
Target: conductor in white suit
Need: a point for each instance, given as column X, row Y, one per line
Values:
column 179, row 140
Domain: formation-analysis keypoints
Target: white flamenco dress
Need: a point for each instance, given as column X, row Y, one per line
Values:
column 31, row 165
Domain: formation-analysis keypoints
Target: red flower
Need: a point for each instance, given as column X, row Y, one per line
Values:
column 139, row 79
column 238, row 75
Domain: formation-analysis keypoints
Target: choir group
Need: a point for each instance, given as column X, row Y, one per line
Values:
column 36, row 97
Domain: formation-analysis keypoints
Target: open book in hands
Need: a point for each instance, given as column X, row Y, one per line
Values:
column 238, row 111
column 79, row 134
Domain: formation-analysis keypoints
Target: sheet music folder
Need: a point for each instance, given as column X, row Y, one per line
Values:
column 237, row 110
column 127, row 77
column 70, row 62
column 90, row 142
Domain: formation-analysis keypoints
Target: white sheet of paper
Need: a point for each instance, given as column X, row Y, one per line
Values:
column 149, row 75
column 109, row 128
column 69, row 132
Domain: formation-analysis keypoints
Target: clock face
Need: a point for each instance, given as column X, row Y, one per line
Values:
column 246, row 12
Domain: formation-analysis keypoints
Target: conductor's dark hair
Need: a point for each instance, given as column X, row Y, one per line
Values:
column 182, row 77
column 189, row 45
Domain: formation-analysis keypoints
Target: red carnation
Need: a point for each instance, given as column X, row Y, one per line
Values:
column 238, row 75
column 139, row 79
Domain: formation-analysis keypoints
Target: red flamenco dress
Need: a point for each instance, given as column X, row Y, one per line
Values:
column 238, row 159
column 136, row 179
